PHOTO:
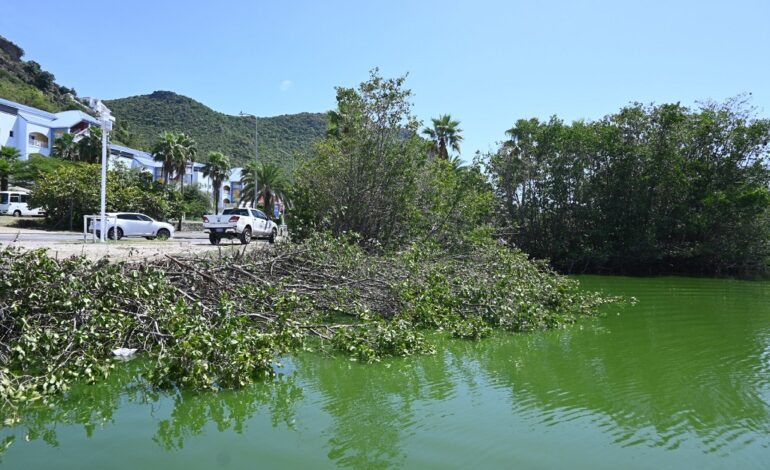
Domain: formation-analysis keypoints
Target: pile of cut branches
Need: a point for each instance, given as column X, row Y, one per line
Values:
column 221, row 322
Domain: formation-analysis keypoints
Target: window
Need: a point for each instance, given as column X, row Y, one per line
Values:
column 4, row 198
column 24, row 198
column 15, row 198
column 261, row 215
column 235, row 212
column 11, row 134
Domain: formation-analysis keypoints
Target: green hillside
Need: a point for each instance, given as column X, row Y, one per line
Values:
column 25, row 82
column 149, row 115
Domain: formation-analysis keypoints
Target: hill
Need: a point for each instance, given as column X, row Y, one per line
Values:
column 25, row 82
column 281, row 138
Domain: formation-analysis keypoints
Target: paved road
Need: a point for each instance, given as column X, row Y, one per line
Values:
column 41, row 236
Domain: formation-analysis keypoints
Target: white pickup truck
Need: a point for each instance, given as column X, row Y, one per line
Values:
column 243, row 223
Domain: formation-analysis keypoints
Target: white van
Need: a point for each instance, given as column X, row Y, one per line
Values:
column 15, row 203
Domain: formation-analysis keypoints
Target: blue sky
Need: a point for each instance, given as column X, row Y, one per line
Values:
column 488, row 63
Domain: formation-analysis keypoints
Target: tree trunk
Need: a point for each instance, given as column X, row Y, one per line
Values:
column 4, row 183
column 181, row 190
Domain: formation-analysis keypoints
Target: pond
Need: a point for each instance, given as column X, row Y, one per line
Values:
column 681, row 380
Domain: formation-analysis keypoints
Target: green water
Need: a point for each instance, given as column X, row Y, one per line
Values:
column 681, row 380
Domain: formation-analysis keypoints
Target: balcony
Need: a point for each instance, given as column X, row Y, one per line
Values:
column 38, row 140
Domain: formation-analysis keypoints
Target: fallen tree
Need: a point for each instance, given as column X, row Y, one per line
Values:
column 221, row 322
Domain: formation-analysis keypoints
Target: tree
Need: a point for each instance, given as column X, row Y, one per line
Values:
column 71, row 190
column 444, row 134
column 90, row 147
column 218, row 169
column 182, row 158
column 649, row 189
column 66, row 148
column 165, row 151
column 9, row 157
column 272, row 184
column 363, row 177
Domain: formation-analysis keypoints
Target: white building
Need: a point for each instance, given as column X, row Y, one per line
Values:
column 34, row 131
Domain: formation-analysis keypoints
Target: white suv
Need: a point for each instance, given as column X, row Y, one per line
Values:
column 130, row 224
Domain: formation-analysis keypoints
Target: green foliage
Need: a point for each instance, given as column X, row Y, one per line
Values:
column 9, row 164
column 149, row 115
column 62, row 319
column 72, row 190
column 374, row 340
column 123, row 134
column 363, row 178
column 443, row 136
column 24, row 93
column 218, row 169
column 649, row 189
column 194, row 201
column 35, row 167
column 27, row 83
column 371, row 176
column 271, row 183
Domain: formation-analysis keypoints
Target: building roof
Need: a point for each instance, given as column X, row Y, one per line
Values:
column 235, row 174
column 70, row 118
column 27, row 109
column 36, row 119
column 143, row 158
column 64, row 119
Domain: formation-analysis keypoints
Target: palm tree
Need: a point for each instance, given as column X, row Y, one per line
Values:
column 444, row 134
column 90, row 147
column 272, row 184
column 8, row 158
column 65, row 147
column 166, row 151
column 218, row 169
column 182, row 158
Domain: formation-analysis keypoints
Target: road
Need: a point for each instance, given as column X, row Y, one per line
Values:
column 41, row 236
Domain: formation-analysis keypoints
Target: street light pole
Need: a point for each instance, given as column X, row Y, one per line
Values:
column 106, row 121
column 256, row 152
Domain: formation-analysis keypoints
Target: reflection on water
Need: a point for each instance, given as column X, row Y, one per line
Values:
column 680, row 380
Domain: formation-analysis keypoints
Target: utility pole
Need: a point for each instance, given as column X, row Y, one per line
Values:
column 256, row 153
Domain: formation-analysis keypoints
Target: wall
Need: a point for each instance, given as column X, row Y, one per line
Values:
column 7, row 124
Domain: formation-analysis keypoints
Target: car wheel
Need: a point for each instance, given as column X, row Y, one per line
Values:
column 273, row 234
column 214, row 239
column 246, row 236
column 111, row 233
column 17, row 213
column 163, row 234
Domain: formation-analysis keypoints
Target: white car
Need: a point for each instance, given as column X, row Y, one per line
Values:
column 131, row 224
column 241, row 223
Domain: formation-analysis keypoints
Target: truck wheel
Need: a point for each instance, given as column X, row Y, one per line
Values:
column 273, row 234
column 214, row 239
column 17, row 213
column 246, row 236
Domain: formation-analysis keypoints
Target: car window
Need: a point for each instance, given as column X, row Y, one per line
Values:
column 143, row 218
column 261, row 214
column 235, row 212
column 127, row 216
